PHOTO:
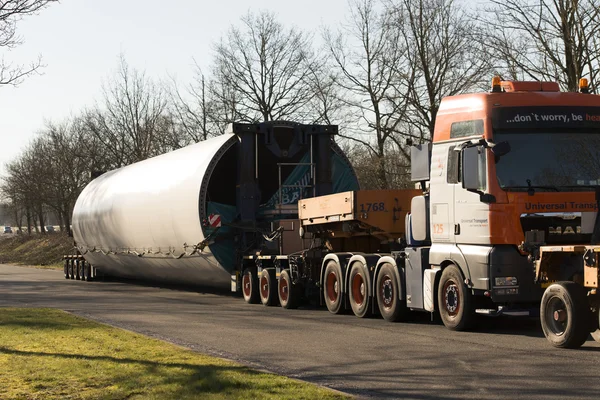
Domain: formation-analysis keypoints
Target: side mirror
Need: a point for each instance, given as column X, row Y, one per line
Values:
column 471, row 174
column 500, row 149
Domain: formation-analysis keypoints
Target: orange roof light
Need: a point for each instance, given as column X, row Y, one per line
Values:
column 583, row 85
column 496, row 84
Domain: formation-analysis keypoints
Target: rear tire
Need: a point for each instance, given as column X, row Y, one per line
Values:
column 564, row 314
column 358, row 292
column 289, row 294
column 332, row 287
column 391, row 307
column 66, row 269
column 250, row 286
column 455, row 300
column 267, row 287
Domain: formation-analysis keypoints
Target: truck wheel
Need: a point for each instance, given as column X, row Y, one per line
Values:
column 77, row 269
column 268, row 294
column 455, row 300
column 359, row 290
column 66, row 269
column 596, row 333
column 332, row 286
column 564, row 315
column 289, row 294
column 71, row 267
column 87, row 271
column 250, row 286
column 391, row 307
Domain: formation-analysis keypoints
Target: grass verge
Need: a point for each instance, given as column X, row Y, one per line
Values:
column 50, row 354
column 38, row 250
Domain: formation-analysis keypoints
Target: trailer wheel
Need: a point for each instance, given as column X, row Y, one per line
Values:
column 391, row 307
column 71, row 267
column 332, row 285
column 76, row 269
column 267, row 285
column 87, row 271
column 564, row 315
column 289, row 294
column 360, row 300
column 66, row 269
column 596, row 333
column 250, row 286
column 455, row 300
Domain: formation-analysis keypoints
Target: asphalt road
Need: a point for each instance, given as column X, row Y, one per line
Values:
column 370, row 358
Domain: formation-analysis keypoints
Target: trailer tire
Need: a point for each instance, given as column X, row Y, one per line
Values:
column 332, row 287
column 250, row 286
column 289, row 294
column 455, row 300
column 87, row 271
column 66, row 269
column 596, row 333
column 391, row 306
column 358, row 292
column 564, row 315
column 71, row 267
column 267, row 285
column 77, row 269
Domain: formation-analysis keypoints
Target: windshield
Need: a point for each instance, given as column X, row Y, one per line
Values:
column 549, row 161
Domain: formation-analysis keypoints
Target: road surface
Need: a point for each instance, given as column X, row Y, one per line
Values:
column 369, row 358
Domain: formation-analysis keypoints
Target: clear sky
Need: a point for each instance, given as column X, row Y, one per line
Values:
column 81, row 40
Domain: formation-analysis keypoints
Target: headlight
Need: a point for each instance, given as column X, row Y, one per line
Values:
column 506, row 281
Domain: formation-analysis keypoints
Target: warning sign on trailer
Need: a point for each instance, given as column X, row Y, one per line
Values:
column 214, row 220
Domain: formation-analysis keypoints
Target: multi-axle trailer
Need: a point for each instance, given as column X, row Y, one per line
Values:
column 504, row 220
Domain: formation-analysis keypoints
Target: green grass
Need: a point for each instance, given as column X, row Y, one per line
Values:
column 37, row 250
column 50, row 354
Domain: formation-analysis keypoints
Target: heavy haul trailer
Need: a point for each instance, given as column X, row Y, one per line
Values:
column 503, row 223
column 188, row 215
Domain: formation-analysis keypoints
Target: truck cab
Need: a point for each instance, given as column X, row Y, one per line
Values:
column 508, row 170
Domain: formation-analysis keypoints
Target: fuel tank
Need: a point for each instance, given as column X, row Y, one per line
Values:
column 175, row 217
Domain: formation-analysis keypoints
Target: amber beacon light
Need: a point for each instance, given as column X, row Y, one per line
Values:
column 583, row 85
column 496, row 84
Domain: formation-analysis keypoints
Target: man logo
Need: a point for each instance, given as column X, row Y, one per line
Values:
column 567, row 230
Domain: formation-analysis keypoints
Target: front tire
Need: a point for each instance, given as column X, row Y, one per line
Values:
column 332, row 287
column 455, row 300
column 358, row 293
column 391, row 307
column 564, row 313
column 250, row 286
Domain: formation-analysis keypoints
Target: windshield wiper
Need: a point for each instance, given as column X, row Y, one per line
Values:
column 531, row 188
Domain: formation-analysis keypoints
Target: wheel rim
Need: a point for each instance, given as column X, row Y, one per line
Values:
column 332, row 287
column 556, row 316
column 264, row 287
column 387, row 292
column 358, row 289
column 451, row 298
column 246, row 284
column 283, row 289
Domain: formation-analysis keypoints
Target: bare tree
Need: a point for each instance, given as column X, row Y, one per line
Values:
column 195, row 111
column 131, row 123
column 11, row 12
column 445, row 57
column 554, row 40
column 262, row 67
column 374, row 77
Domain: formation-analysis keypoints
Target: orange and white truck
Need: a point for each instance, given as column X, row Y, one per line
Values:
column 503, row 222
